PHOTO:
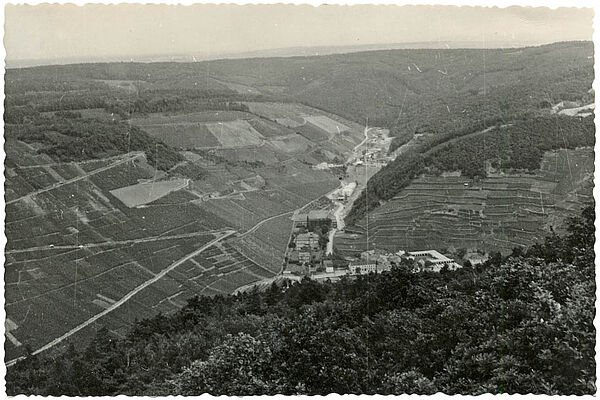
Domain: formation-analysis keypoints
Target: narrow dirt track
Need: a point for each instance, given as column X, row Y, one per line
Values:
column 125, row 298
column 130, row 157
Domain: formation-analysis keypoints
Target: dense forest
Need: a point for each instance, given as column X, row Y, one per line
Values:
column 44, row 106
column 520, row 324
column 442, row 92
column 67, row 137
column 519, row 146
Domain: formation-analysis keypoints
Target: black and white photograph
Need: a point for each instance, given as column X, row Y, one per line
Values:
column 298, row 199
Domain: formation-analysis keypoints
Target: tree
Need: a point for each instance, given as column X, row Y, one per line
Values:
column 239, row 366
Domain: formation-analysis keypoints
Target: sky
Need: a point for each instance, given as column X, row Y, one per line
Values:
column 54, row 32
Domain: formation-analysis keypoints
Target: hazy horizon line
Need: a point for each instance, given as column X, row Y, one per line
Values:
column 263, row 53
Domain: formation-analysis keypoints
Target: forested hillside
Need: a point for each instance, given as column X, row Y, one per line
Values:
column 69, row 137
column 519, row 146
column 438, row 91
column 440, row 94
column 77, row 112
column 521, row 324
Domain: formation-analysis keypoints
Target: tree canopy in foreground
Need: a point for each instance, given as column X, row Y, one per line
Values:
column 522, row 324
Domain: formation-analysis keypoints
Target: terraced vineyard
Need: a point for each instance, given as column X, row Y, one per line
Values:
column 496, row 213
column 269, row 133
column 132, row 187
column 78, row 257
column 106, row 241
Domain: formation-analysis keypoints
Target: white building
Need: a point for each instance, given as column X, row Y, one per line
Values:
column 432, row 260
column 361, row 268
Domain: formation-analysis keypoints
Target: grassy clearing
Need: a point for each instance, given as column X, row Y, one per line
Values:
column 144, row 193
column 327, row 124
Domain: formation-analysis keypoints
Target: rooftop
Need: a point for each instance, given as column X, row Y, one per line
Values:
column 306, row 236
column 432, row 254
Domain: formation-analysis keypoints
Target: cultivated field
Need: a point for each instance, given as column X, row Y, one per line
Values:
column 238, row 133
column 184, row 135
column 192, row 130
column 107, row 241
column 76, row 249
column 496, row 214
column 325, row 123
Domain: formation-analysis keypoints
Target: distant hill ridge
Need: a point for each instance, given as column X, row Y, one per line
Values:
column 265, row 53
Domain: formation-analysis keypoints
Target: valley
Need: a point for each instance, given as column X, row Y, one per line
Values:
column 131, row 188
column 109, row 241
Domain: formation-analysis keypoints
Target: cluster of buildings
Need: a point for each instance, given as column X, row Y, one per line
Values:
column 325, row 165
column 305, row 252
column 307, row 249
column 375, row 151
column 311, row 220
column 431, row 260
column 343, row 193
column 377, row 261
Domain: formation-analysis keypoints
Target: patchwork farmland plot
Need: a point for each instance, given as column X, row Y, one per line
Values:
column 191, row 130
column 325, row 123
column 186, row 135
column 105, row 242
column 237, row 133
column 258, row 154
column 269, row 129
column 74, row 250
column 294, row 144
column 312, row 133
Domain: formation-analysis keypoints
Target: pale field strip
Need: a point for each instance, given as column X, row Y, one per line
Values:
column 325, row 123
column 147, row 192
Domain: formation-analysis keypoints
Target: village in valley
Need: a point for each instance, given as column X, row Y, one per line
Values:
column 297, row 200
column 311, row 251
